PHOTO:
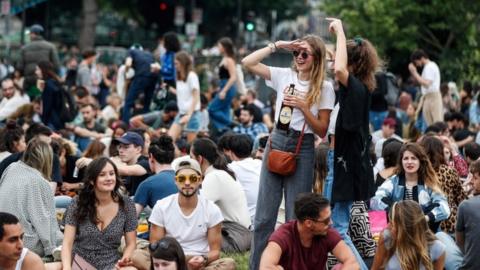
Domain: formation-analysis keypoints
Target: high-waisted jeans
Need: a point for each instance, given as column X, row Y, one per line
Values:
column 273, row 186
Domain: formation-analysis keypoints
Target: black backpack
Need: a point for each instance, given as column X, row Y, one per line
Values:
column 69, row 109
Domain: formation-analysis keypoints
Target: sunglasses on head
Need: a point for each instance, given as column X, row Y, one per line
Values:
column 159, row 244
column 193, row 178
column 303, row 55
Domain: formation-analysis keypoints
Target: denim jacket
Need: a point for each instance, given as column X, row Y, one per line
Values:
column 434, row 204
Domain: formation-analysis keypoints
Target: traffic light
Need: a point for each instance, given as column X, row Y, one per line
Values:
column 250, row 22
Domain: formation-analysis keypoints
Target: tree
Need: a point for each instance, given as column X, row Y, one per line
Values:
column 89, row 22
column 446, row 29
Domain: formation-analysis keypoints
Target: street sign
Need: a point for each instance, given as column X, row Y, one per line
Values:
column 179, row 19
column 197, row 16
column 5, row 7
column 191, row 29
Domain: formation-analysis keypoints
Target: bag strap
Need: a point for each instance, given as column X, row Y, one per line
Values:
column 300, row 140
column 299, row 143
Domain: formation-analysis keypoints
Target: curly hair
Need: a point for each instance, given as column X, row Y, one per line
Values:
column 364, row 61
column 87, row 199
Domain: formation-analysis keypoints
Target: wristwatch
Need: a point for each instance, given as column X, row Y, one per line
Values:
column 272, row 47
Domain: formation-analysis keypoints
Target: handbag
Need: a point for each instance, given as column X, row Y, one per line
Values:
column 378, row 222
column 283, row 162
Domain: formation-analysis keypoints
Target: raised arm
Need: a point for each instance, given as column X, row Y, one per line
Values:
column 252, row 61
column 341, row 59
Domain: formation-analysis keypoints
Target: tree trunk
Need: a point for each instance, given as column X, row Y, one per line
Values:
column 88, row 24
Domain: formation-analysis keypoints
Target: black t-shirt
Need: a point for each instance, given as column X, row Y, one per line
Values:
column 97, row 127
column 132, row 182
column 378, row 103
column 353, row 168
column 56, row 172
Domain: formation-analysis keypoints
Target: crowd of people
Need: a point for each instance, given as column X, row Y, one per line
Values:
column 88, row 158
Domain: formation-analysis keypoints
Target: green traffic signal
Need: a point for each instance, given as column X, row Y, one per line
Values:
column 250, row 26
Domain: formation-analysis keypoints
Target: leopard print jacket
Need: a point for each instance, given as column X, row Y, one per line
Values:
column 452, row 187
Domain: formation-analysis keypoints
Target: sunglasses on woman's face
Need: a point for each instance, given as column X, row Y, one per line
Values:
column 303, row 55
column 193, row 178
column 159, row 244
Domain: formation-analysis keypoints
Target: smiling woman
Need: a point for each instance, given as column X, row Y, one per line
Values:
column 98, row 218
column 310, row 100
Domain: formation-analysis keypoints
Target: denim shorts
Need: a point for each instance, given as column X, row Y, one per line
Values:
column 193, row 125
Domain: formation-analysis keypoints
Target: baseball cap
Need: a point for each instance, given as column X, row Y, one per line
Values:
column 171, row 106
column 186, row 162
column 36, row 28
column 389, row 122
column 131, row 137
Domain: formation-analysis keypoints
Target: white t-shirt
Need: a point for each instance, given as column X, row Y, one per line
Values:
column 247, row 173
column 219, row 187
column 431, row 72
column 185, row 93
column 333, row 120
column 190, row 231
column 280, row 80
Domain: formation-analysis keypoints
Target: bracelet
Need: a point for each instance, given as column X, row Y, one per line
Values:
column 272, row 47
column 275, row 45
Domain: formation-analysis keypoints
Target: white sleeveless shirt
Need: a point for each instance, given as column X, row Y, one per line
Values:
column 22, row 257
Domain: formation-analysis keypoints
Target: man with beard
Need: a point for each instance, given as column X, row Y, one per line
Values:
column 192, row 220
column 247, row 126
column 12, row 253
column 305, row 243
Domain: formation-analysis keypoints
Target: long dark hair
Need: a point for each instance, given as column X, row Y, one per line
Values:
column 208, row 149
column 87, row 200
column 170, row 250
column 425, row 170
column 11, row 134
column 228, row 46
column 434, row 149
column 364, row 60
column 48, row 72
column 171, row 42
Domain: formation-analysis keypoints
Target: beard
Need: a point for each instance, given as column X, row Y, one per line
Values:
column 188, row 194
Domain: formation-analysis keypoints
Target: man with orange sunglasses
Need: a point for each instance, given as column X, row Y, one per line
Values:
column 194, row 221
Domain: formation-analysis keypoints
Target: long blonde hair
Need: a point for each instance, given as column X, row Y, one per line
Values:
column 317, row 72
column 411, row 236
column 39, row 156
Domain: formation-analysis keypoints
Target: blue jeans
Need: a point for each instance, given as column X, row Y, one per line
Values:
column 219, row 110
column 453, row 255
column 327, row 189
column 139, row 85
column 341, row 223
column 273, row 186
column 62, row 201
column 376, row 119
column 193, row 125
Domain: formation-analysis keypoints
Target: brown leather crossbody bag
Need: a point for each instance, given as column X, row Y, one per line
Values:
column 283, row 162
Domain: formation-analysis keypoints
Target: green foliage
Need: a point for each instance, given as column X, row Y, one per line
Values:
column 446, row 29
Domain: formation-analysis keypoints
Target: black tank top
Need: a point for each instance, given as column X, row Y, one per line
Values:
column 223, row 73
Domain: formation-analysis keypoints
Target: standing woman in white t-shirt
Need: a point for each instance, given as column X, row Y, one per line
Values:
column 188, row 98
column 312, row 102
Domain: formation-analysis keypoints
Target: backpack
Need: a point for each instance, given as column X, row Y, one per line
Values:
column 391, row 96
column 69, row 109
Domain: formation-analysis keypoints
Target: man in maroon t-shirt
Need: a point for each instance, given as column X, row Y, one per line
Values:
column 305, row 243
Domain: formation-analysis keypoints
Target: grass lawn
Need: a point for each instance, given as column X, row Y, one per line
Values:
column 240, row 258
